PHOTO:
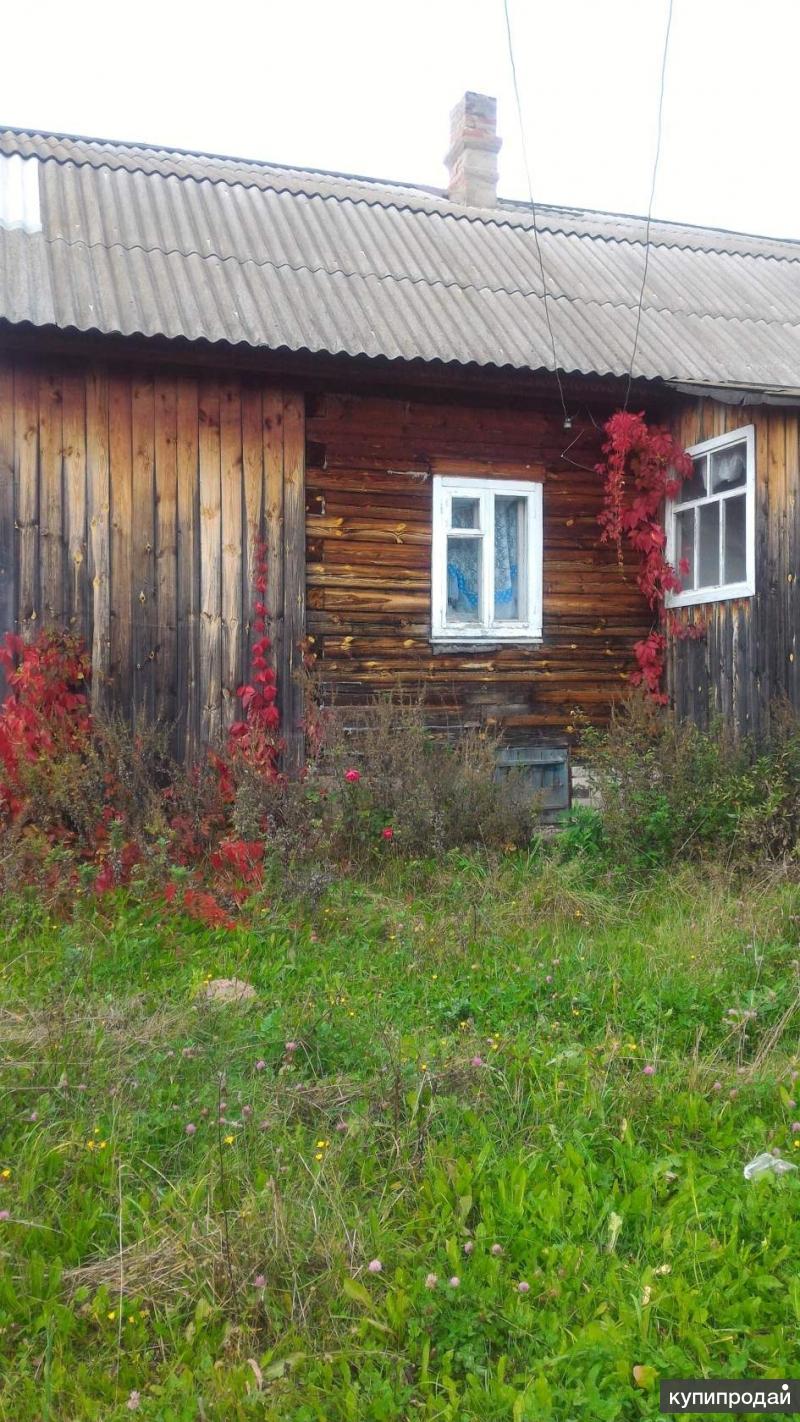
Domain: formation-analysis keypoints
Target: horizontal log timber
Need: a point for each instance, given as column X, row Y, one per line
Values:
column 368, row 527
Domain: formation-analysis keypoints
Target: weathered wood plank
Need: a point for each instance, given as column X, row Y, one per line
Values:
column 188, row 651
column 122, row 515
column 294, row 576
column 75, row 527
column 253, row 495
column 274, row 535
column 210, row 562
column 166, row 548
column 51, row 498
column 144, row 609
column 98, row 509
column 232, row 548
column 26, row 462
column 8, row 580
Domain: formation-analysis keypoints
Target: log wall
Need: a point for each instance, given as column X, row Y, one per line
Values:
column 368, row 529
column 132, row 500
column 131, row 506
column 746, row 660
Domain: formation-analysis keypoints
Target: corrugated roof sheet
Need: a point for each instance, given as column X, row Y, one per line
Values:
column 145, row 241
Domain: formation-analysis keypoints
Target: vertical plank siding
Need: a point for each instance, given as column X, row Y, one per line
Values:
column 98, row 512
column 8, row 570
column 745, row 661
column 132, row 505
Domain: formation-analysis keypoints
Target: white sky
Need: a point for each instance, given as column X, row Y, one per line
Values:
column 366, row 86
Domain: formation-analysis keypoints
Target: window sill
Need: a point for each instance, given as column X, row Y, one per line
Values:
column 483, row 644
column 702, row 595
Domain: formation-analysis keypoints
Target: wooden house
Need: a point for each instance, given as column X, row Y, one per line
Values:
column 199, row 352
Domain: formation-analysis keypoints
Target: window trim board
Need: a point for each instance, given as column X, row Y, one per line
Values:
column 446, row 486
column 722, row 592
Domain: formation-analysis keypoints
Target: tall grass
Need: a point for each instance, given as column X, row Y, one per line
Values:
column 444, row 1069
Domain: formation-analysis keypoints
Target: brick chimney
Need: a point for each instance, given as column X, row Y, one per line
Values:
column 474, row 146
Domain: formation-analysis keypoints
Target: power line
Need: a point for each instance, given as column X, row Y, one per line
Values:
column 650, row 204
column 567, row 421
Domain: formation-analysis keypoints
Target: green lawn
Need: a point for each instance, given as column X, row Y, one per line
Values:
column 466, row 1097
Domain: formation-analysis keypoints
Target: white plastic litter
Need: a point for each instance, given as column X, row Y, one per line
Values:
column 767, row 1164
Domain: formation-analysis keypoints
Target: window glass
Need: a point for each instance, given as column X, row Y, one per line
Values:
column 736, row 539
column 486, row 559
column 710, row 521
column 465, row 513
column 728, row 468
column 708, row 549
column 508, row 556
column 684, row 523
column 695, row 487
column 464, row 579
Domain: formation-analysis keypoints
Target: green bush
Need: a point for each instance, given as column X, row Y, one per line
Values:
column 668, row 790
column 432, row 793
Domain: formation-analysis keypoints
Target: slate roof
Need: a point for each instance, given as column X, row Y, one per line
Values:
column 139, row 240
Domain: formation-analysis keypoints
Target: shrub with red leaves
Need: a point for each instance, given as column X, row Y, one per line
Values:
column 46, row 713
column 199, row 904
column 55, row 757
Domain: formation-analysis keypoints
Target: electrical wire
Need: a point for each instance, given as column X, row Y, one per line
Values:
column 567, row 420
column 650, row 204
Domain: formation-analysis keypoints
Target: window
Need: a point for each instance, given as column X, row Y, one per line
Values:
column 487, row 560
column 711, row 522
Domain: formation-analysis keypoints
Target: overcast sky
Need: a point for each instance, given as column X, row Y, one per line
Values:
column 366, row 86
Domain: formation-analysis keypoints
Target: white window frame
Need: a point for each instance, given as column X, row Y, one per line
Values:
column 721, row 591
column 447, row 487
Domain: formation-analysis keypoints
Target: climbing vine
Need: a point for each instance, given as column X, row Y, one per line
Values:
column 255, row 735
column 642, row 466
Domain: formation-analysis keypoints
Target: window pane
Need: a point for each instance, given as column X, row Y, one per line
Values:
column 684, row 547
column 695, row 487
column 729, row 468
column 708, row 562
column 735, row 539
column 464, row 579
column 465, row 513
column 509, row 554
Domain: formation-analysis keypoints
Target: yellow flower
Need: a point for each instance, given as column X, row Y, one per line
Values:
column 434, row 976
column 319, row 1155
column 112, row 1313
column 90, row 1145
column 322, row 1145
column 229, row 1140
column 102, row 1145
column 423, row 1066
column 5, row 1174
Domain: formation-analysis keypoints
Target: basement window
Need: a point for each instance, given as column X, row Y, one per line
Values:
column 711, row 523
column 486, row 561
